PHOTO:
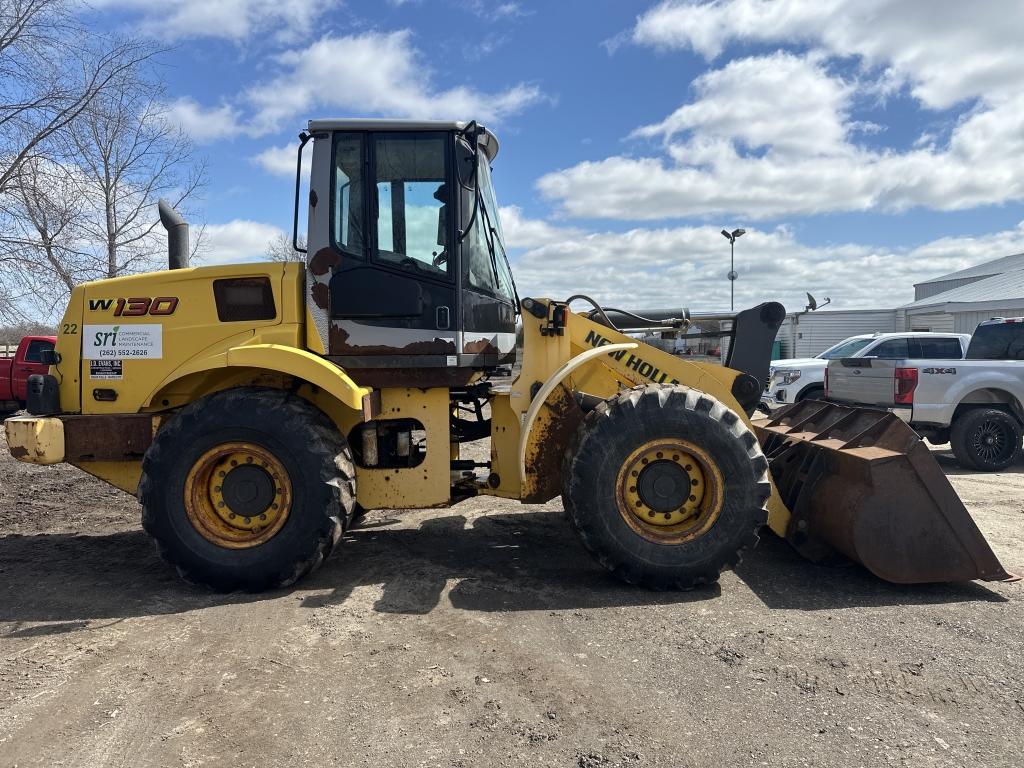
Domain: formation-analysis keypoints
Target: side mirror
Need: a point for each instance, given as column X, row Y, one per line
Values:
column 49, row 357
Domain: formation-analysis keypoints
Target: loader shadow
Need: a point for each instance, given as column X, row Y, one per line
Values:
column 782, row 579
column 500, row 563
column 505, row 562
column 73, row 580
column 515, row 562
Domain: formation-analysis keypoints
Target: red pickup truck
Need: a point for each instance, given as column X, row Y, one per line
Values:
column 14, row 371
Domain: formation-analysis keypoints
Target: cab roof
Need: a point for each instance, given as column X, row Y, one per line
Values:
column 488, row 141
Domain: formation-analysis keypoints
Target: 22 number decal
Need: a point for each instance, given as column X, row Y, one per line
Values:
column 70, row 329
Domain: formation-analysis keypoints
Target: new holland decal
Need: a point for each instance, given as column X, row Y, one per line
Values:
column 634, row 362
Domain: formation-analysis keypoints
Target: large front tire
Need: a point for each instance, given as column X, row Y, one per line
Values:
column 666, row 486
column 246, row 489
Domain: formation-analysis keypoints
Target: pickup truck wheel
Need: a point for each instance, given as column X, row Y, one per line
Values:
column 246, row 489
column 986, row 439
column 666, row 486
column 812, row 393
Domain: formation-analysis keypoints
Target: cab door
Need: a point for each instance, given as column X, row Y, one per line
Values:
column 393, row 289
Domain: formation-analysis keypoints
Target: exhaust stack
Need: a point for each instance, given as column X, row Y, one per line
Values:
column 177, row 235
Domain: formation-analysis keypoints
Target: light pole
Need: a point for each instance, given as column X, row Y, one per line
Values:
column 731, row 237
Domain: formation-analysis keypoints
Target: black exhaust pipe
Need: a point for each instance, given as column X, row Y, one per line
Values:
column 177, row 235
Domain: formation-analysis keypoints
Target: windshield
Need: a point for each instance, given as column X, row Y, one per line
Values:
column 487, row 262
column 845, row 349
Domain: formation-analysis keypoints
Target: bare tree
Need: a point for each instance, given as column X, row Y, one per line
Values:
column 11, row 335
column 50, row 72
column 281, row 249
column 130, row 154
column 40, row 240
column 86, row 148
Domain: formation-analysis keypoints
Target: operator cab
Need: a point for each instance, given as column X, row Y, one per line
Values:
column 407, row 279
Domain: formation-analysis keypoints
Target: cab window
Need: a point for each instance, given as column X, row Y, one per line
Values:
column 484, row 247
column 932, row 348
column 412, row 202
column 893, row 349
column 348, row 229
column 36, row 347
column 997, row 341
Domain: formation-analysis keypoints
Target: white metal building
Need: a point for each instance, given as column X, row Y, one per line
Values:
column 805, row 334
column 953, row 303
column 957, row 302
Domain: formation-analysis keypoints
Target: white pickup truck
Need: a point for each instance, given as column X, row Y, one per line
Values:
column 976, row 404
column 790, row 381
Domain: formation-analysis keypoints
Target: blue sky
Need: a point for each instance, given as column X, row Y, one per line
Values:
column 863, row 145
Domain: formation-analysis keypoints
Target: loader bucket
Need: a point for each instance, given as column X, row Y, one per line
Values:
column 859, row 483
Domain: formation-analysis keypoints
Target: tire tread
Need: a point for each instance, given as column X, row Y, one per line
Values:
column 337, row 469
column 587, row 525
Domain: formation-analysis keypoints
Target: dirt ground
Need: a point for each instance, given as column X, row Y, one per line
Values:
column 485, row 636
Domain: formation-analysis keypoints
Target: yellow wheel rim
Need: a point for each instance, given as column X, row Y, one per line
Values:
column 238, row 495
column 669, row 491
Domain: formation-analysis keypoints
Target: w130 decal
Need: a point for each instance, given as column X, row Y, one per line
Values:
column 161, row 305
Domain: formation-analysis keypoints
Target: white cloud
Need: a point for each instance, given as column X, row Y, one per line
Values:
column 373, row 74
column 776, row 134
column 237, row 242
column 787, row 102
column 523, row 232
column 380, row 74
column 280, row 161
column 238, row 20
column 201, row 123
column 733, row 150
column 946, row 50
column 687, row 266
column 495, row 10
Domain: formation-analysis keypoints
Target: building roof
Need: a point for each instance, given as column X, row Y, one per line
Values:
column 988, row 269
column 1001, row 286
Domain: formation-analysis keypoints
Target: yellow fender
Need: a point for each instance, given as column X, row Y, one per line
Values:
column 276, row 358
column 303, row 365
column 549, row 386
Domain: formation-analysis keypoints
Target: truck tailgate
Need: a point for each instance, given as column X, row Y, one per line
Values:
column 862, row 380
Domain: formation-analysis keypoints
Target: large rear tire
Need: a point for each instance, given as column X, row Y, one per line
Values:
column 985, row 439
column 666, row 486
column 246, row 489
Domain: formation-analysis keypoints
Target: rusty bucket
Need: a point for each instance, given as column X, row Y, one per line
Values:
column 861, row 484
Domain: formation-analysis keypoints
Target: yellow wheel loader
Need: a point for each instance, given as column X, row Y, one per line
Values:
column 258, row 409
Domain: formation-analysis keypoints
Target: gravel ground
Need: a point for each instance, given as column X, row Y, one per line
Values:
column 484, row 635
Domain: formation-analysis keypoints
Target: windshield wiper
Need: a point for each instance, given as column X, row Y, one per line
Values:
column 492, row 236
column 473, row 132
